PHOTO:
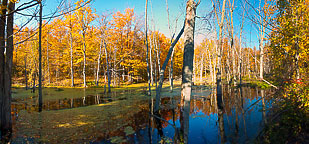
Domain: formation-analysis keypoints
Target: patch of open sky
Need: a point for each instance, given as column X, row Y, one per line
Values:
column 157, row 16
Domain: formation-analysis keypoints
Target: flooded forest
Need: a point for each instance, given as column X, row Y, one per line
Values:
column 154, row 71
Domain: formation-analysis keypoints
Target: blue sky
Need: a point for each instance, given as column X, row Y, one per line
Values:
column 157, row 10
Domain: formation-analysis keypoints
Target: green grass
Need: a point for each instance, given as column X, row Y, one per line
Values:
column 54, row 93
column 81, row 124
column 255, row 83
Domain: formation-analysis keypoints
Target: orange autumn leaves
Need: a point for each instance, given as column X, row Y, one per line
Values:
column 120, row 32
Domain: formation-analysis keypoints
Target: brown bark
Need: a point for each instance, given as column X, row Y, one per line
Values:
column 2, row 58
column 40, row 59
column 6, row 119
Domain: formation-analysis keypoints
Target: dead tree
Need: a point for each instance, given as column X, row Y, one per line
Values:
column 219, row 84
column 147, row 57
column 187, row 69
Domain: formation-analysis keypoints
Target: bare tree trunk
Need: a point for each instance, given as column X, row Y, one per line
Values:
column 146, row 41
column 40, row 59
column 232, row 43
column 227, row 67
column 248, row 63
column 215, row 66
column 26, row 79
column 157, row 60
column 150, row 60
column 187, row 69
column 6, row 63
column 255, row 62
column 2, row 61
column 98, row 65
column 114, row 67
column 6, row 119
column 261, row 57
column 158, row 54
column 261, row 46
column 240, row 49
column 33, row 80
column 210, row 67
column 155, row 70
column 219, row 85
column 107, row 70
column 201, row 68
column 194, row 69
column 172, row 58
column 123, row 74
column 71, row 58
column 158, row 91
column 84, row 54
column 47, row 59
column 171, row 72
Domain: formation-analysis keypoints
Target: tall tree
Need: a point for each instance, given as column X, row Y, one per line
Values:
column 289, row 41
column 2, row 61
column 162, row 70
column 102, row 37
column 107, row 69
column 240, row 58
column 187, row 69
column 85, row 17
column 220, row 22
column 40, row 57
column 6, row 68
column 70, row 25
column 170, row 32
column 146, row 42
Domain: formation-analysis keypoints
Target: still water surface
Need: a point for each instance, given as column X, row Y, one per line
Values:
column 126, row 116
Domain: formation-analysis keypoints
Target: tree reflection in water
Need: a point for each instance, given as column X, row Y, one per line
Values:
column 220, row 118
column 236, row 117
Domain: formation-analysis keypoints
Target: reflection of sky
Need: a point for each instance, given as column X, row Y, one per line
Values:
column 205, row 129
column 253, row 120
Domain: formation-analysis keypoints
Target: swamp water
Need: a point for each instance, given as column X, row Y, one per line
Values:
column 126, row 116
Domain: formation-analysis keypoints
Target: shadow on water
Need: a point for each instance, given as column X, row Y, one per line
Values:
column 128, row 117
